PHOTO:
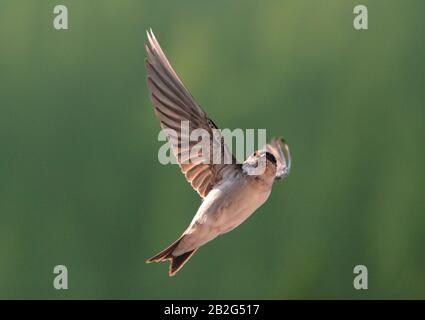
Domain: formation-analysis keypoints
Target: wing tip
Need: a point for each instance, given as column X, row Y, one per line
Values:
column 150, row 35
column 152, row 39
column 279, row 147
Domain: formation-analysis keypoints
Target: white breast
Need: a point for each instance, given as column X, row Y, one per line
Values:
column 230, row 204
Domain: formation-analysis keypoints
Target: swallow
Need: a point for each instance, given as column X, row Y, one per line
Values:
column 230, row 192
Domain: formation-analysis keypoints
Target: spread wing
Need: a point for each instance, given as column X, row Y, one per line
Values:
column 280, row 150
column 173, row 105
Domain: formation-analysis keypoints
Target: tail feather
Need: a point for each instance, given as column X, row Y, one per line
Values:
column 177, row 262
column 165, row 254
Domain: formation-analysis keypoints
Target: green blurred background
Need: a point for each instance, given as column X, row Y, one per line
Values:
column 81, row 184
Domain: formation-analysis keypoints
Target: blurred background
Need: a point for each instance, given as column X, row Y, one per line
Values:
column 81, row 184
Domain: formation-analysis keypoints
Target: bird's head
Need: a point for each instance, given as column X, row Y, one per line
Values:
column 260, row 163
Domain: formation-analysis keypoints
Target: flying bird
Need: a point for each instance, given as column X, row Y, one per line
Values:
column 231, row 192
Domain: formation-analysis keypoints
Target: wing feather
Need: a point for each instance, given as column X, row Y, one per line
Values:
column 174, row 104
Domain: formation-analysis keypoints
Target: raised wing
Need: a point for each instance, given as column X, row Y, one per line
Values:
column 280, row 150
column 173, row 105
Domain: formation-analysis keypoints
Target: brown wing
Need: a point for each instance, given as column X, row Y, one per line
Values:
column 173, row 104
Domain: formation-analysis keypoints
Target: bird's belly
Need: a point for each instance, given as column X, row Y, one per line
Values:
column 238, row 208
column 221, row 212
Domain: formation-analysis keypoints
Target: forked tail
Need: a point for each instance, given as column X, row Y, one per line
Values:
column 176, row 262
